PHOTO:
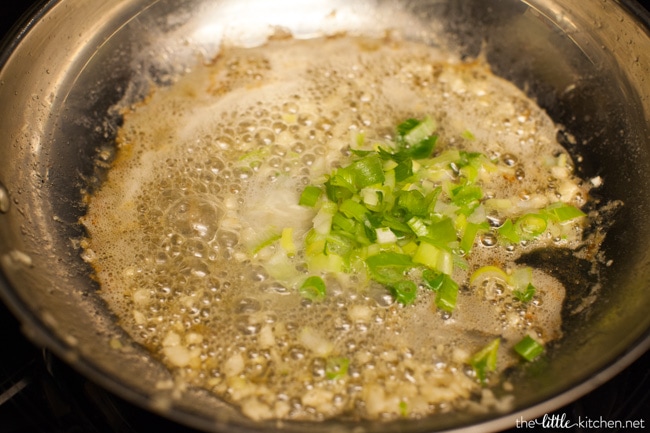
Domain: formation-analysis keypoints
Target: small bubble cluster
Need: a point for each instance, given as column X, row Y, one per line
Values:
column 209, row 168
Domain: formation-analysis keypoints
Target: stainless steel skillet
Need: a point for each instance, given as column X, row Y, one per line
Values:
column 587, row 63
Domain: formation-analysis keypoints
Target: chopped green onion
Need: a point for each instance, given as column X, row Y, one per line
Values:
column 469, row 235
column 403, row 409
column 406, row 126
column 326, row 263
column 413, row 203
column 353, row 209
column 508, row 232
column 313, row 288
column 418, row 226
column 404, row 291
column 447, row 293
column 521, row 277
column 434, row 257
column 336, row 367
column 389, row 267
column 398, row 212
column 522, row 280
column 442, row 232
column 286, row 241
column 467, row 197
column 525, row 295
column 310, row 196
column 367, row 171
column 339, row 244
column 385, row 235
column 563, row 212
column 342, row 222
column 427, row 254
column 485, row 360
column 432, row 279
column 467, row 135
column 395, row 224
column 486, row 273
column 529, row 348
column 403, row 170
column 372, row 198
column 266, row 242
column 413, row 131
column 323, row 220
column 530, row 226
column 339, row 188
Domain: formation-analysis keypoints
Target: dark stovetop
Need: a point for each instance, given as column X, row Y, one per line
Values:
column 40, row 394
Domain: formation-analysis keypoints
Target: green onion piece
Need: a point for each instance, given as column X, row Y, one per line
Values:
column 525, row 295
column 339, row 244
column 508, row 232
column 403, row 409
column 418, row 131
column 467, row 135
column 563, row 212
column 323, row 220
column 372, row 198
column 342, row 222
column 529, row 348
column 485, row 360
column 406, row 126
column 404, row 291
column 469, row 235
column 385, row 235
column 413, row 203
column 447, row 294
column 432, row 198
column 488, row 273
column 313, row 288
column 388, row 267
column 470, row 173
column 286, row 241
column 442, row 232
column 530, row 226
column 403, row 170
column 395, row 224
column 432, row 279
column 310, row 196
column 445, row 158
column 418, row 226
column 434, row 257
column 336, row 367
column 446, row 262
column 521, row 277
column 424, row 148
column 467, row 197
column 270, row 241
column 339, row 187
column 326, row 263
column 352, row 209
column 522, row 281
column 469, row 158
column 367, row 171
column 427, row 254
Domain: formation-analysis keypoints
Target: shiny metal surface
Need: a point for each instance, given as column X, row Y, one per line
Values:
column 587, row 63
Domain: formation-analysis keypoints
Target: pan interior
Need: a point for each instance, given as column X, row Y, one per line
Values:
column 585, row 64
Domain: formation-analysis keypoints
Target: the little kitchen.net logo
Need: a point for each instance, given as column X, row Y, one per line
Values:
column 560, row 421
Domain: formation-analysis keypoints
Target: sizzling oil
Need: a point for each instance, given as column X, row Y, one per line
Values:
column 208, row 167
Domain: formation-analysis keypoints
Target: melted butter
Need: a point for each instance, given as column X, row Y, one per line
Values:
column 213, row 166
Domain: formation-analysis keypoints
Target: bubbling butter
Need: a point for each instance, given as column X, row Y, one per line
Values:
column 211, row 168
